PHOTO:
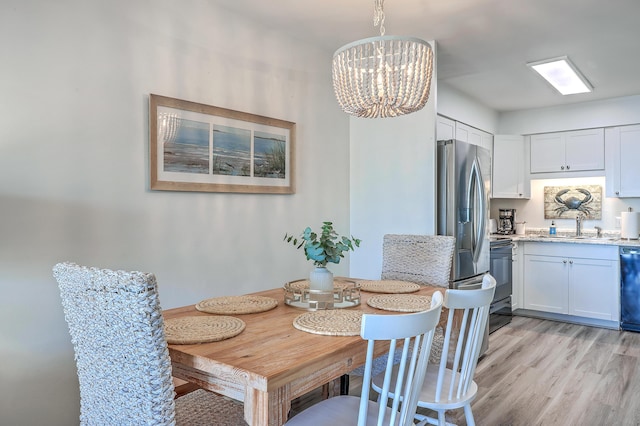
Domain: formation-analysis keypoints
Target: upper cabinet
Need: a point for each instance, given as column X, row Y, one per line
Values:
column 445, row 129
column 474, row 136
column 581, row 150
column 509, row 177
column 450, row 129
column 622, row 146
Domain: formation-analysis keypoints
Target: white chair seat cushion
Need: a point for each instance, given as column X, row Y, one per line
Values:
column 337, row 411
column 428, row 393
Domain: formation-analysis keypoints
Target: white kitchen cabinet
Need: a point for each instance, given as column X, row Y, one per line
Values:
column 580, row 280
column 486, row 141
column 593, row 288
column 509, row 177
column 546, row 284
column 567, row 152
column 622, row 151
column 474, row 136
column 445, row 128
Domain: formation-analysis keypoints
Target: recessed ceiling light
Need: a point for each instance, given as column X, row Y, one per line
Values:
column 562, row 75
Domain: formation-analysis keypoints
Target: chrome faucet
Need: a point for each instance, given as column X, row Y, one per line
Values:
column 579, row 218
column 598, row 231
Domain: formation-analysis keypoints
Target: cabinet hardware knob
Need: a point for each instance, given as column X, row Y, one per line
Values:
column 617, row 192
column 564, row 261
column 567, row 167
column 561, row 167
column 571, row 262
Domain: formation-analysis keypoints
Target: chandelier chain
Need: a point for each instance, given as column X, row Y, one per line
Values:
column 385, row 76
column 378, row 15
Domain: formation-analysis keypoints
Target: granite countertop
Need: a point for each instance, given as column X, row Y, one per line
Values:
column 569, row 236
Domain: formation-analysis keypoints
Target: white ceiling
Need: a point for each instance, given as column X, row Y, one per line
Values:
column 484, row 45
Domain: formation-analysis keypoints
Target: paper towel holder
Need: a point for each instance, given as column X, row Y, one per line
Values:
column 629, row 225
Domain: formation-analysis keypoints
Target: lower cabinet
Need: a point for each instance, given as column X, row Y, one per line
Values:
column 546, row 284
column 574, row 279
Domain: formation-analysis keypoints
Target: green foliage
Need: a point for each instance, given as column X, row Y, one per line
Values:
column 324, row 248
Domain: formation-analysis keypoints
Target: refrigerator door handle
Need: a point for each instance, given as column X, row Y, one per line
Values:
column 476, row 181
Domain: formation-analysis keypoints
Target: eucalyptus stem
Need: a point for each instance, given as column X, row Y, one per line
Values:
column 328, row 247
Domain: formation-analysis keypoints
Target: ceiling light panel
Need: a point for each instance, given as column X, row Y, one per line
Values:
column 562, row 75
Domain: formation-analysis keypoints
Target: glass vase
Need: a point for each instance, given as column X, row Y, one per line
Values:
column 321, row 279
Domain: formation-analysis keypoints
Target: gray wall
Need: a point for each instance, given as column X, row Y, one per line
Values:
column 74, row 84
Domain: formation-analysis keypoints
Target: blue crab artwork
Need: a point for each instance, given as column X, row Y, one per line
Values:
column 580, row 204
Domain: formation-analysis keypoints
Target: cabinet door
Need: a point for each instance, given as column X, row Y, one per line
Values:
column 547, row 153
column 508, row 167
column 463, row 132
column 622, row 145
column 593, row 289
column 546, row 284
column 584, row 150
column 487, row 141
column 446, row 129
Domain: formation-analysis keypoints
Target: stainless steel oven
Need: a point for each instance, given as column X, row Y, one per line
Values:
column 502, row 269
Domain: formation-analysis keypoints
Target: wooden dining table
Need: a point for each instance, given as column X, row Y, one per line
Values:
column 271, row 363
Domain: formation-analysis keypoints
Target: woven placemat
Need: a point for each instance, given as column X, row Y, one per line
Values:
column 400, row 302
column 304, row 284
column 330, row 322
column 234, row 305
column 201, row 329
column 388, row 286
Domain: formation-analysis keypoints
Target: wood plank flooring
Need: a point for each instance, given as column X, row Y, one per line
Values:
column 540, row 372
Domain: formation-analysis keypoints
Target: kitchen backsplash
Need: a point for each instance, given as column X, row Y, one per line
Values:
column 532, row 211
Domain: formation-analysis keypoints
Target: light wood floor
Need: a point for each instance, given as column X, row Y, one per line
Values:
column 539, row 372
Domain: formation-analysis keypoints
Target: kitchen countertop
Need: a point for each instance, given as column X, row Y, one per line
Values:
column 568, row 236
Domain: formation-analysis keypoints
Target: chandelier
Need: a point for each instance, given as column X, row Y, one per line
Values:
column 383, row 76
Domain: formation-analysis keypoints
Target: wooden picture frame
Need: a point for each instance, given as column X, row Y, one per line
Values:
column 198, row 147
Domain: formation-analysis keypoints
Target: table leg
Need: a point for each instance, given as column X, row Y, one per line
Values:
column 267, row 408
column 344, row 384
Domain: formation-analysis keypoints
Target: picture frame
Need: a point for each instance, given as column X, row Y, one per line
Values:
column 204, row 148
column 567, row 202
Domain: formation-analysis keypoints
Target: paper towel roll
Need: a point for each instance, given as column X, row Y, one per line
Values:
column 630, row 225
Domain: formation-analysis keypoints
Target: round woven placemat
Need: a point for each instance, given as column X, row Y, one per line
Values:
column 201, row 329
column 330, row 322
column 400, row 302
column 388, row 286
column 237, row 305
column 304, row 284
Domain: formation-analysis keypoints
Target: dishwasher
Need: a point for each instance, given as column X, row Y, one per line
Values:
column 630, row 288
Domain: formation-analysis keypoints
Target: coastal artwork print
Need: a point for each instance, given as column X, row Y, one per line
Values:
column 197, row 147
column 567, row 202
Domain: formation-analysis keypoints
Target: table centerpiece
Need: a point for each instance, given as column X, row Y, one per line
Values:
column 323, row 248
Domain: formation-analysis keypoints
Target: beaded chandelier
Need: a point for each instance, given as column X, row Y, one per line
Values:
column 383, row 76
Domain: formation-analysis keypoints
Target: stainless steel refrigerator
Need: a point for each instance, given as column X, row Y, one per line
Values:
column 462, row 193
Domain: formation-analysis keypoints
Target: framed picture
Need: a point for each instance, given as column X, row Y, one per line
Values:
column 567, row 202
column 197, row 147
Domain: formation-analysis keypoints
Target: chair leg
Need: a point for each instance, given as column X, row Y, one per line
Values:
column 469, row 415
column 441, row 419
column 425, row 420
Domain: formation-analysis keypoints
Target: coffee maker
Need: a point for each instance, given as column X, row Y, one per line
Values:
column 507, row 221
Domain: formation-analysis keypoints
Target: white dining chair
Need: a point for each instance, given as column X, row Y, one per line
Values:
column 451, row 385
column 122, row 358
column 404, row 332
column 422, row 259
